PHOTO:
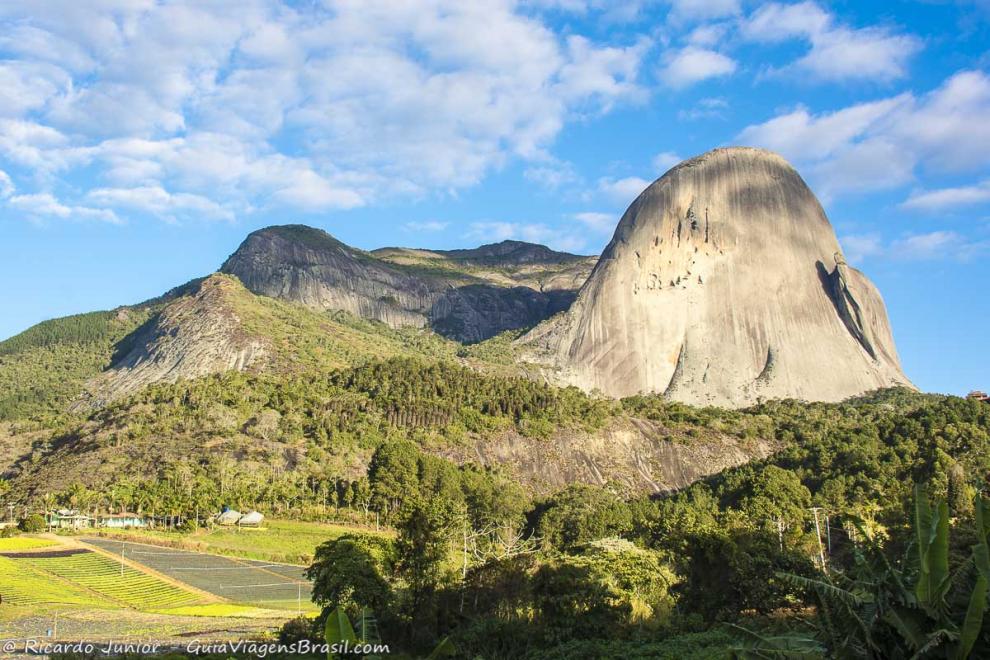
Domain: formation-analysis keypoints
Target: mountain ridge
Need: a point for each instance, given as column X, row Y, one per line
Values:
column 406, row 287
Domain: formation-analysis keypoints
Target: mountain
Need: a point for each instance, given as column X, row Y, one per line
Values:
column 314, row 306
column 723, row 285
column 214, row 325
column 467, row 295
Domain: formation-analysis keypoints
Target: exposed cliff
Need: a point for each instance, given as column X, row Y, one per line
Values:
column 723, row 285
column 468, row 295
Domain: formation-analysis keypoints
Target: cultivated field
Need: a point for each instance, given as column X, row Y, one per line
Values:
column 240, row 581
column 115, row 581
column 20, row 584
column 282, row 541
column 16, row 543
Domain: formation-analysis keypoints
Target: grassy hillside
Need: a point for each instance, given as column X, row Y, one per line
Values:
column 305, row 340
column 45, row 367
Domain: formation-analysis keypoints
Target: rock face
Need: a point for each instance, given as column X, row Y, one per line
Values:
column 197, row 334
column 468, row 295
column 724, row 284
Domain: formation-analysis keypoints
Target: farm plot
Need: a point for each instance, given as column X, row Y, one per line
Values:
column 22, row 585
column 18, row 543
column 244, row 581
column 118, row 582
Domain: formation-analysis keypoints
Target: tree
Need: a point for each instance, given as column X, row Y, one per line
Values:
column 32, row 524
column 423, row 550
column 353, row 572
column 919, row 607
column 579, row 514
column 612, row 586
column 393, row 474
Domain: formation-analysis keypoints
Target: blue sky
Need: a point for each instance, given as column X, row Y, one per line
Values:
column 140, row 141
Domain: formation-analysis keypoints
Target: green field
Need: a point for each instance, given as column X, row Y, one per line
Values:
column 279, row 540
column 284, row 541
column 119, row 584
column 220, row 610
column 22, row 585
column 24, row 543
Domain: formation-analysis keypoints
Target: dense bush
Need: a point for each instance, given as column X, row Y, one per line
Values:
column 32, row 524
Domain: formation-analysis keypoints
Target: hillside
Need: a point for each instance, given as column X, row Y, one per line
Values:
column 213, row 324
column 45, row 368
column 310, row 424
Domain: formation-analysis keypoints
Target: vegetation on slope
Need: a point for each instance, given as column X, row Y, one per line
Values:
column 45, row 367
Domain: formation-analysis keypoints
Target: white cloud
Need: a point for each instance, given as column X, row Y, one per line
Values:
column 552, row 176
column 709, row 34
column 664, row 160
column 700, row 10
column 493, row 232
column 883, row 144
column 931, row 246
column 692, row 64
column 27, row 86
column 935, row 245
column 706, row 108
column 289, row 104
column 623, row 191
column 158, row 201
column 602, row 75
column 7, row 187
column 838, row 52
column 428, row 225
column 859, row 247
column 802, row 136
column 947, row 198
column 775, row 22
column 603, row 223
column 45, row 205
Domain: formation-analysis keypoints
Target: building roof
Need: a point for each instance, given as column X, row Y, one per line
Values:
column 251, row 518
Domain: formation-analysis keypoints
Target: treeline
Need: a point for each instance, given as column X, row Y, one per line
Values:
column 90, row 328
column 45, row 367
column 585, row 573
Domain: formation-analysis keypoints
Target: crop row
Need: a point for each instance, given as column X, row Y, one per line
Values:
column 21, row 585
column 118, row 581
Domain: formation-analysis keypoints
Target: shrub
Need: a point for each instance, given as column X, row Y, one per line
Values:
column 33, row 523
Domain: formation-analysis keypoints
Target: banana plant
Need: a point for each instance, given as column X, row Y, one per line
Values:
column 877, row 610
column 338, row 630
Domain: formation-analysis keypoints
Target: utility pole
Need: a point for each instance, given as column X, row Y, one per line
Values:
column 828, row 533
column 818, row 535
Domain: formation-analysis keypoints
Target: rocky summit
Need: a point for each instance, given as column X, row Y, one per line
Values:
column 467, row 295
column 723, row 284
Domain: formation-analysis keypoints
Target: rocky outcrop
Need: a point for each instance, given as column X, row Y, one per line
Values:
column 636, row 455
column 195, row 335
column 468, row 295
column 723, row 285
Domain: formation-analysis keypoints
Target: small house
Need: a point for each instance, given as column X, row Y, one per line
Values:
column 123, row 520
column 69, row 519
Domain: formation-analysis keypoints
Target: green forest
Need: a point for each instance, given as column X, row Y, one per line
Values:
column 861, row 532
column 815, row 551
